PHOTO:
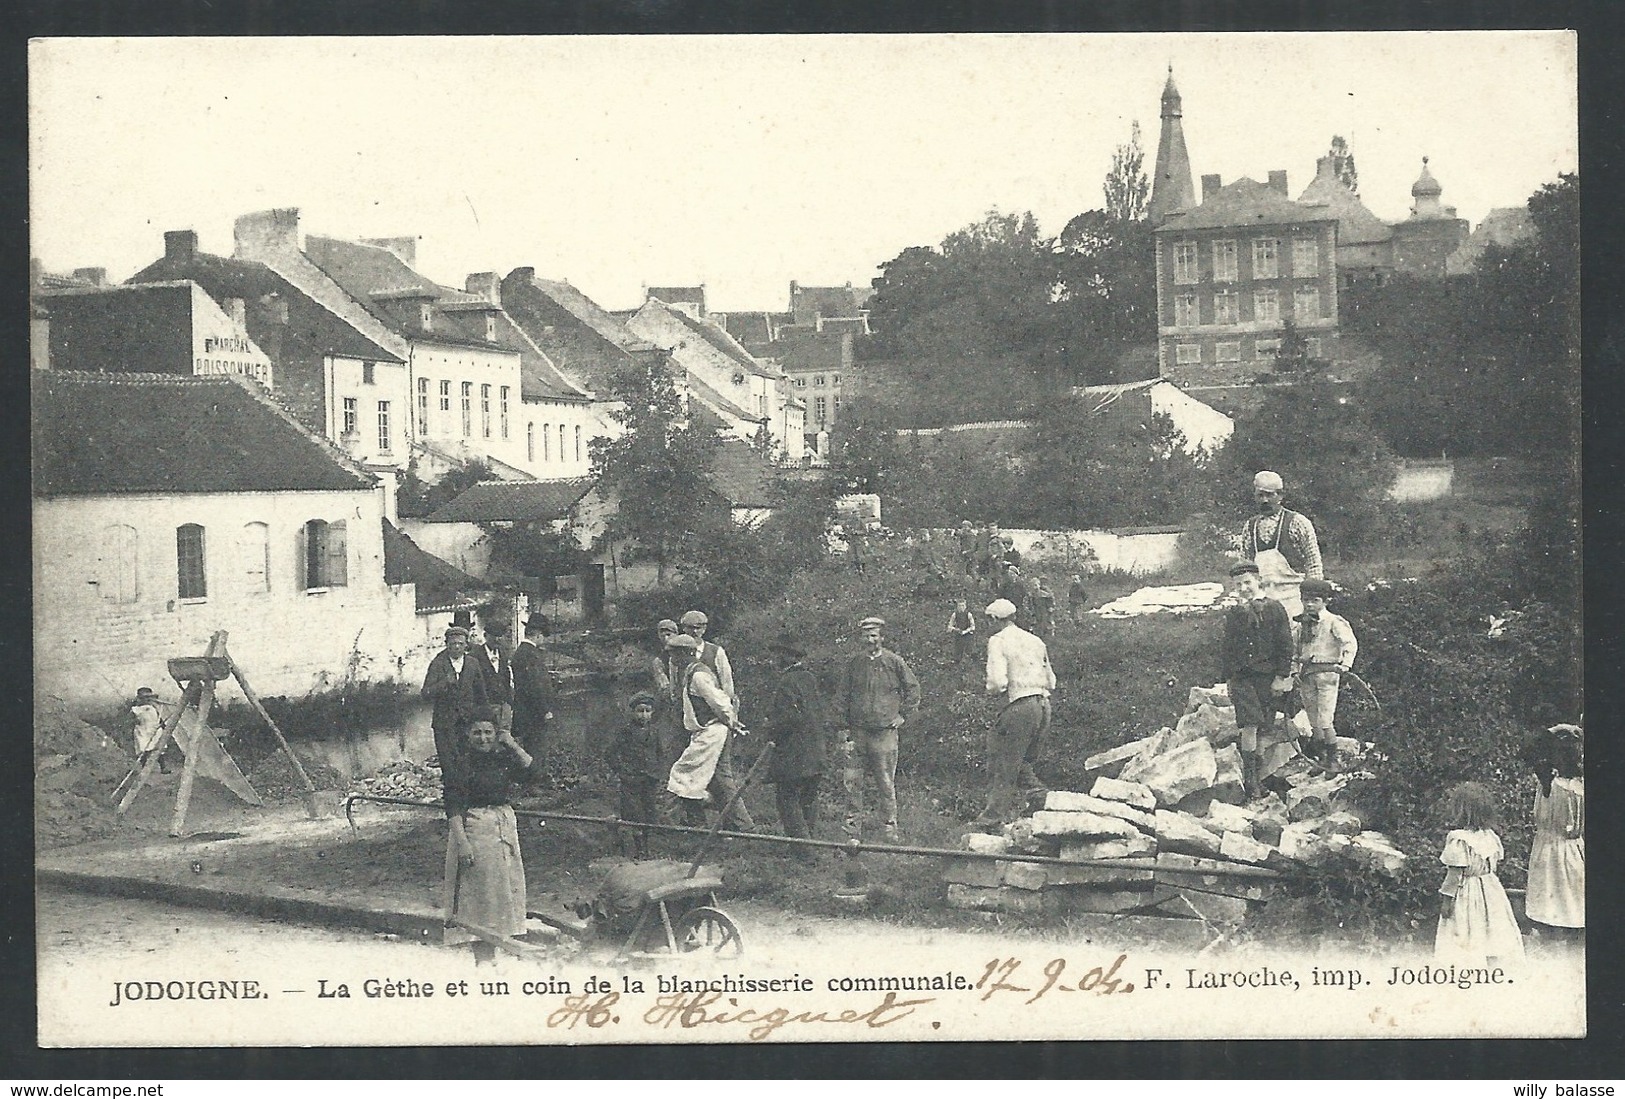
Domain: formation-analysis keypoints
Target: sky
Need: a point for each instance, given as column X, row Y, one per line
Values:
column 741, row 162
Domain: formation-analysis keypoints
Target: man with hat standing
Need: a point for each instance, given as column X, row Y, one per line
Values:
column 1257, row 669
column 799, row 725
column 455, row 683
column 1281, row 542
column 1325, row 649
column 877, row 694
column 715, row 657
column 709, row 718
column 493, row 653
column 1018, row 668
column 534, row 690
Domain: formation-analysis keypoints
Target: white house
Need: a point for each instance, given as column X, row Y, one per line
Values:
column 166, row 508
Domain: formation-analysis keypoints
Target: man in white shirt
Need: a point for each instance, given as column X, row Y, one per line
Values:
column 1018, row 668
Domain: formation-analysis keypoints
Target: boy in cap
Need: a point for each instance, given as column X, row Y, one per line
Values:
column 876, row 696
column 1257, row 666
column 799, row 725
column 1325, row 649
column 1018, row 668
column 639, row 760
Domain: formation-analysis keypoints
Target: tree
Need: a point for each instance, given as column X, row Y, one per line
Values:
column 863, row 448
column 1127, row 186
column 657, row 470
column 1343, row 163
column 415, row 497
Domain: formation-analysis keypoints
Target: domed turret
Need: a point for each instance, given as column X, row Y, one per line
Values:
column 1426, row 192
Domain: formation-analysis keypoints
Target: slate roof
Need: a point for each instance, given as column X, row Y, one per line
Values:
column 1355, row 223
column 1243, row 203
column 694, row 294
column 717, row 337
column 311, row 327
column 706, row 395
column 514, row 502
column 374, row 276
column 97, row 434
column 591, row 314
column 440, row 585
column 829, row 301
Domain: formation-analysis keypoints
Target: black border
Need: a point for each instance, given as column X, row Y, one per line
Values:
column 1601, row 129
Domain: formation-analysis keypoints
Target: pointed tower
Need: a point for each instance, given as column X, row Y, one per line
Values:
column 1171, row 187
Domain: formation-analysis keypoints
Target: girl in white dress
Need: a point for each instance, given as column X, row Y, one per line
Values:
column 1476, row 925
column 1557, row 858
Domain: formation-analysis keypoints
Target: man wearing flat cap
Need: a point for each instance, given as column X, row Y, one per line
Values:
column 799, row 725
column 710, row 720
column 1281, row 542
column 877, row 695
column 1018, row 669
column 715, row 657
column 455, row 684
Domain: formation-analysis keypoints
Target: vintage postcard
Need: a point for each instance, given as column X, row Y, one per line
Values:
column 753, row 539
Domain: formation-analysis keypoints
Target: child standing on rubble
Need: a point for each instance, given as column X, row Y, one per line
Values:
column 1476, row 924
column 1257, row 666
column 1326, row 648
column 485, row 876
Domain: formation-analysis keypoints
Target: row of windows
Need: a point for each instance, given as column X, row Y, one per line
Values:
column 547, row 443
column 1266, row 259
column 503, row 396
column 1266, row 306
column 818, row 381
column 322, row 560
column 1190, row 354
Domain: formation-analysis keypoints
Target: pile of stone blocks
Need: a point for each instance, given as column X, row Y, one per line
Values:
column 1171, row 807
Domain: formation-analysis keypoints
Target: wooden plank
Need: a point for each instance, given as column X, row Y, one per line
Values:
column 183, row 797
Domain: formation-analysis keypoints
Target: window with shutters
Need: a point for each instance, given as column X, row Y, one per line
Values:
column 254, row 551
column 191, row 566
column 120, row 571
column 323, row 555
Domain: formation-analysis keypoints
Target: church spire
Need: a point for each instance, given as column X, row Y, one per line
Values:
column 1171, row 188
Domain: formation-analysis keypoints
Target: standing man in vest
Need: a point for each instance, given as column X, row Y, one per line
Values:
column 709, row 718
column 877, row 694
column 1018, row 668
column 1282, row 543
column 533, row 690
column 715, row 657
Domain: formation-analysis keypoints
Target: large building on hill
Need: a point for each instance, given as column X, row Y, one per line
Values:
column 1240, row 261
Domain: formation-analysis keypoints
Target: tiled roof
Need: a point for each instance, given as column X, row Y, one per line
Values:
column 514, row 502
column 96, row 434
column 829, row 301
column 310, row 327
column 1242, row 203
column 440, row 585
column 717, row 337
column 742, row 476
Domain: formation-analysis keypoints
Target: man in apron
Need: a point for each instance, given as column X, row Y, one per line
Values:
column 1281, row 543
column 709, row 718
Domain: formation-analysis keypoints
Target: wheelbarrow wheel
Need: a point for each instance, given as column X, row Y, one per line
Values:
column 710, row 930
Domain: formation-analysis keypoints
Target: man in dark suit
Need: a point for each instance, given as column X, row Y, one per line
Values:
column 534, row 689
column 498, row 673
column 456, row 684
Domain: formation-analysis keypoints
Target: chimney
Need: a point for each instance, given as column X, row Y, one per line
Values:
column 1278, row 182
column 487, row 284
column 95, row 276
column 180, row 244
column 266, row 232
column 1210, row 186
column 404, row 248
